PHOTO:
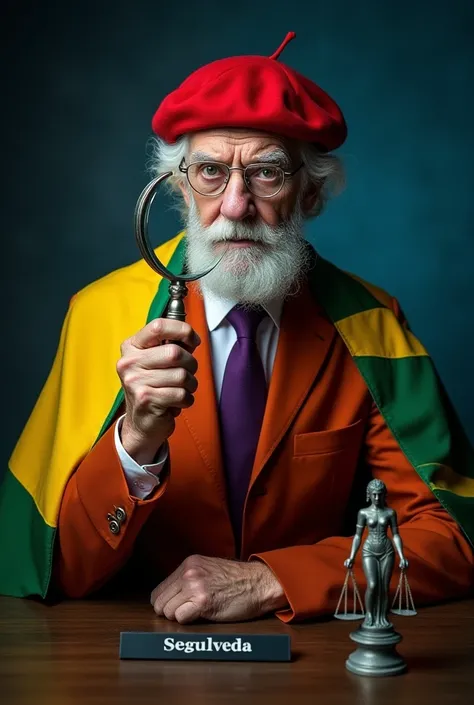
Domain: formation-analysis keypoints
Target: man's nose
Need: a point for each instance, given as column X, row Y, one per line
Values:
column 237, row 201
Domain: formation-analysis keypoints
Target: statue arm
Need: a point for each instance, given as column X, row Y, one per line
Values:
column 397, row 540
column 361, row 522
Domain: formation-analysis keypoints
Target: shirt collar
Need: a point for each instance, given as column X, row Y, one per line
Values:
column 217, row 309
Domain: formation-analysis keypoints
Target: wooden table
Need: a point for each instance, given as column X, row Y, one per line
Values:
column 68, row 654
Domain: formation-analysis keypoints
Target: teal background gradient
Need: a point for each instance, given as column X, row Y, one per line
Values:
column 81, row 81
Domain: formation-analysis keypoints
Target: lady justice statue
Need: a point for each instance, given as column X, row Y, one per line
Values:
column 376, row 654
column 378, row 555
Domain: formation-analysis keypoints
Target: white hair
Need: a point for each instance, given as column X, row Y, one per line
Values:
column 320, row 168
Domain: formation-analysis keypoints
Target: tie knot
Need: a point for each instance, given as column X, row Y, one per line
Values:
column 246, row 321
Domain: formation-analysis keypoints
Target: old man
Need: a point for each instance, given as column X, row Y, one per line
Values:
column 222, row 467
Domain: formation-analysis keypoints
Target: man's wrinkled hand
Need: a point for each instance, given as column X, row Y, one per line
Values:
column 219, row 590
column 158, row 380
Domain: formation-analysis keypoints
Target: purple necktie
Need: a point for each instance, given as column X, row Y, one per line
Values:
column 242, row 405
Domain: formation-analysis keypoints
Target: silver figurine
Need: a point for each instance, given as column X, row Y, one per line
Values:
column 377, row 655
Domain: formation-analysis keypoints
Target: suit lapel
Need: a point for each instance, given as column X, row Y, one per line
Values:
column 304, row 342
column 202, row 419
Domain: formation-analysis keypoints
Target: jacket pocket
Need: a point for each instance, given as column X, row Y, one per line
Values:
column 333, row 441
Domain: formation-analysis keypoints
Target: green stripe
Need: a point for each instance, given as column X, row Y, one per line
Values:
column 408, row 396
column 404, row 392
column 26, row 552
column 156, row 309
column 462, row 452
column 412, row 400
column 338, row 293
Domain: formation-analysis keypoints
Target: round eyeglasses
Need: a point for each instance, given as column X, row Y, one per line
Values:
column 211, row 178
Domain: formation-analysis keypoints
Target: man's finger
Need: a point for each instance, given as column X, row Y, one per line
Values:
column 187, row 612
column 165, row 357
column 163, row 587
column 172, row 605
column 161, row 329
column 165, row 597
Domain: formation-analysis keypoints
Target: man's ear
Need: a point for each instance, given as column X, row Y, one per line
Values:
column 311, row 196
column 185, row 193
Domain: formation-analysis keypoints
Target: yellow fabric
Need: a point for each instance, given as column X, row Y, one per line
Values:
column 445, row 478
column 383, row 335
column 83, row 383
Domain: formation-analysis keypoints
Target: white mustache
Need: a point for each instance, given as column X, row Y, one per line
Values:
column 227, row 231
column 239, row 239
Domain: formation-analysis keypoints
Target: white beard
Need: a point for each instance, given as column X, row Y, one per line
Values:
column 249, row 275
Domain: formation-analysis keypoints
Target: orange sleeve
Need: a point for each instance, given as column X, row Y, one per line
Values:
column 441, row 564
column 87, row 553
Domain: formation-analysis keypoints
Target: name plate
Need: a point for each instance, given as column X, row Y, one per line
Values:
column 205, row 647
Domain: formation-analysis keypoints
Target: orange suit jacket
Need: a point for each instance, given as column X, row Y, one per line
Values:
column 320, row 428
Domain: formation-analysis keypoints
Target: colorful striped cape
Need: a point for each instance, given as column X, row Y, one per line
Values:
column 82, row 394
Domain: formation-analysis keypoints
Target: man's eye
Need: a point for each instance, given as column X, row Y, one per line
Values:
column 210, row 170
column 267, row 173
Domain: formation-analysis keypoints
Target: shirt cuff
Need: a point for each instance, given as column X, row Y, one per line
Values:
column 141, row 479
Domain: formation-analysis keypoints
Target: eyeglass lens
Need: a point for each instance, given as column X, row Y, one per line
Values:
column 210, row 178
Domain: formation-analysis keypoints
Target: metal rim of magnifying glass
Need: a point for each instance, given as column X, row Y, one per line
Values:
column 142, row 211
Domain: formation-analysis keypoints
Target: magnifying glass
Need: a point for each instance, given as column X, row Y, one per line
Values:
column 177, row 288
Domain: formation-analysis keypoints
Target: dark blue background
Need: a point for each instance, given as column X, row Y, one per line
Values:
column 81, row 81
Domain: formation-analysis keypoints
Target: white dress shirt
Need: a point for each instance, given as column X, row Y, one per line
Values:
column 142, row 479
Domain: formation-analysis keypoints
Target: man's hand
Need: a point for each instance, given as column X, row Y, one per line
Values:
column 219, row 590
column 158, row 381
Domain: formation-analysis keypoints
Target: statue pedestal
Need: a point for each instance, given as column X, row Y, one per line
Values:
column 376, row 654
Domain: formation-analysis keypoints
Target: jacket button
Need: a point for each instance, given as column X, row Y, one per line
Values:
column 120, row 514
column 114, row 526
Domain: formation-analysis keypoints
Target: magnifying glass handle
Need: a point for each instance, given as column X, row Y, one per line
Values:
column 175, row 309
column 178, row 292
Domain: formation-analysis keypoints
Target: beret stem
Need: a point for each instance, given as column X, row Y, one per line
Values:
column 287, row 40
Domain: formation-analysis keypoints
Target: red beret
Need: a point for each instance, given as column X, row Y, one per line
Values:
column 255, row 92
